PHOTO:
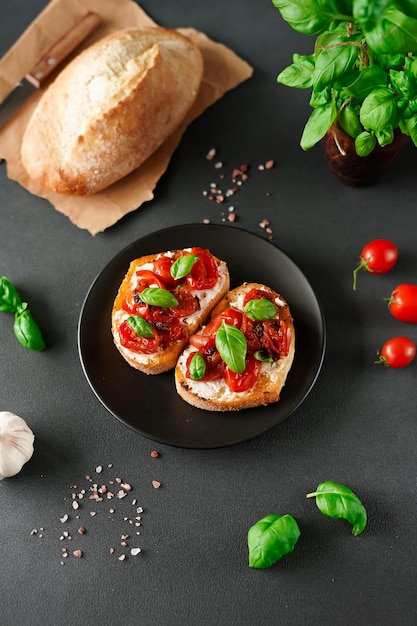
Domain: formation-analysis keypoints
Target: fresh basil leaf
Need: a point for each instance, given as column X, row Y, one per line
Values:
column 403, row 82
column 385, row 136
column 270, row 539
column 317, row 125
column 26, row 329
column 9, row 298
column 339, row 502
column 333, row 62
column 321, row 98
column 349, row 121
column 365, row 143
column 140, row 326
column 183, row 265
column 395, row 31
column 298, row 75
column 197, row 367
column 409, row 7
column 409, row 127
column 231, row 344
column 379, row 109
column 261, row 355
column 369, row 14
column 158, row 297
column 260, row 309
column 369, row 79
column 312, row 16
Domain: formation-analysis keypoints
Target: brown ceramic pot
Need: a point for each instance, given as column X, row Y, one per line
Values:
column 353, row 170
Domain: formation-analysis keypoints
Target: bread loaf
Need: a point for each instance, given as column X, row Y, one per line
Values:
column 110, row 109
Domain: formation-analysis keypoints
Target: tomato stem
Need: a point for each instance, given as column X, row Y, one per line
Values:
column 363, row 265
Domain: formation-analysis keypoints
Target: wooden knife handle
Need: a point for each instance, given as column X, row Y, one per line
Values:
column 59, row 51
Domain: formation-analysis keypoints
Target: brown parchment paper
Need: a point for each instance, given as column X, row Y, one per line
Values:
column 223, row 70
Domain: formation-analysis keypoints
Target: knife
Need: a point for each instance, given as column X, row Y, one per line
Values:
column 47, row 64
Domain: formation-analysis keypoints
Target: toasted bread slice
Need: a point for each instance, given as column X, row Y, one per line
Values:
column 215, row 395
column 165, row 356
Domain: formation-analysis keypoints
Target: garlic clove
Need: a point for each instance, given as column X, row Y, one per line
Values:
column 16, row 444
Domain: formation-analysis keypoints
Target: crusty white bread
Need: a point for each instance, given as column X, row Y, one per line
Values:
column 216, row 395
column 110, row 109
column 165, row 358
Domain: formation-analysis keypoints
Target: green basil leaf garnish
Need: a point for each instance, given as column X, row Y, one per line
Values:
column 197, row 367
column 140, row 326
column 261, row 355
column 158, row 297
column 270, row 539
column 260, row 309
column 9, row 297
column 232, row 346
column 26, row 329
column 183, row 265
column 339, row 502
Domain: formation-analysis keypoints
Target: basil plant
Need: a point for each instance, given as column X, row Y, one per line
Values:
column 362, row 72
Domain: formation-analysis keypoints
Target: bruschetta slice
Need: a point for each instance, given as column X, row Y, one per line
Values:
column 162, row 301
column 242, row 357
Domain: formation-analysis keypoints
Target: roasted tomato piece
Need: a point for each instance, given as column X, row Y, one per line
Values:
column 215, row 366
column 162, row 269
column 129, row 339
column 245, row 380
column 169, row 331
column 207, row 338
column 134, row 304
column 187, row 305
column 273, row 336
column 257, row 294
column 204, row 273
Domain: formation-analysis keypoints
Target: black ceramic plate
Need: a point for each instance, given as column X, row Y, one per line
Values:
column 150, row 404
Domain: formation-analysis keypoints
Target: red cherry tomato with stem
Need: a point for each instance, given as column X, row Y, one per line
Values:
column 403, row 303
column 397, row 352
column 377, row 257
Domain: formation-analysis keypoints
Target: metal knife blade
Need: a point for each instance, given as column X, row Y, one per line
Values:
column 47, row 64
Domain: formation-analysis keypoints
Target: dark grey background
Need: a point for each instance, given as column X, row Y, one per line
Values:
column 358, row 426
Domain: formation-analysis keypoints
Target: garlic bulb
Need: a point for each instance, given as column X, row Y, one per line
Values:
column 16, row 444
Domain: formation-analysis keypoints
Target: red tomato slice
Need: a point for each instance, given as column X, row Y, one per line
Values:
column 204, row 273
column 245, row 380
column 403, row 303
column 129, row 339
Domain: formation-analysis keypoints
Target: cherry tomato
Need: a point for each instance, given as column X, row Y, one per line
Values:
column 377, row 257
column 129, row 339
column 257, row 294
column 245, row 380
column 397, row 352
column 215, row 366
column 204, row 273
column 208, row 336
column 146, row 278
column 403, row 303
column 187, row 305
column 162, row 268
